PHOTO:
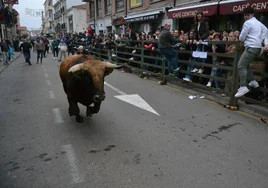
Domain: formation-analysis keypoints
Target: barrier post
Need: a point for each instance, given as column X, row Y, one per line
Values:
column 164, row 81
column 235, row 77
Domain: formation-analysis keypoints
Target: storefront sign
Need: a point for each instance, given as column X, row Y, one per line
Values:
column 187, row 13
column 143, row 18
column 11, row 2
column 238, row 7
column 135, row 3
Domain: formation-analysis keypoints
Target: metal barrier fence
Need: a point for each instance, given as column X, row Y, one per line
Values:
column 157, row 66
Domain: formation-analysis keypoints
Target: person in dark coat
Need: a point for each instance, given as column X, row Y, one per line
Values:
column 201, row 28
column 131, row 35
column 201, row 35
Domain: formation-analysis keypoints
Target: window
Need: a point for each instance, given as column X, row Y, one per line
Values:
column 99, row 8
column 108, row 7
column 120, row 5
column 92, row 12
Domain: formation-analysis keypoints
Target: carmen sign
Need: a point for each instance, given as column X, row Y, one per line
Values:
column 238, row 7
column 187, row 13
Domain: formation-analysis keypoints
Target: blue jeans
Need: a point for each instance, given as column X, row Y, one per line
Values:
column 190, row 67
column 27, row 56
column 214, row 73
column 201, row 48
column 172, row 57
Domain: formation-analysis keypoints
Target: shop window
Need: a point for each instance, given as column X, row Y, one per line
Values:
column 120, row 5
column 99, row 8
column 108, row 6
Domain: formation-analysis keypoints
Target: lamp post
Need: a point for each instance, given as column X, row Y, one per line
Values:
column 92, row 2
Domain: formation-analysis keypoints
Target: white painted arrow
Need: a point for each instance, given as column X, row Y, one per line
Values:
column 133, row 99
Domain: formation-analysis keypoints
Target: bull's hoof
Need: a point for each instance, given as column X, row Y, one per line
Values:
column 79, row 119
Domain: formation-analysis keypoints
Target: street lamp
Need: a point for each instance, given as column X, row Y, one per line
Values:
column 94, row 20
column 92, row 2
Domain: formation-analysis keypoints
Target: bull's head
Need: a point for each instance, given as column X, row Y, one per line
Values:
column 95, row 71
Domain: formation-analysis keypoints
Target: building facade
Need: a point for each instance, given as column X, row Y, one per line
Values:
column 48, row 17
column 8, row 20
column 147, row 15
column 60, row 15
column 76, row 19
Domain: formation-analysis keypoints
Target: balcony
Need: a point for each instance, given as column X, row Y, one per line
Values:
column 50, row 19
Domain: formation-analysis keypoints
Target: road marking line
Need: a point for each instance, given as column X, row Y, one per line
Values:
column 46, row 75
column 57, row 115
column 48, row 83
column 51, row 94
column 115, row 89
column 76, row 176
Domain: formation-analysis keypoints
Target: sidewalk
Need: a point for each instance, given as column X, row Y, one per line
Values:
column 3, row 67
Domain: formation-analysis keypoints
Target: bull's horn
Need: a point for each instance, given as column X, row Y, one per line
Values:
column 113, row 66
column 76, row 68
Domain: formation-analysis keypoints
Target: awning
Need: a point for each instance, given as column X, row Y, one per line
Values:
column 209, row 8
column 144, row 16
column 237, row 6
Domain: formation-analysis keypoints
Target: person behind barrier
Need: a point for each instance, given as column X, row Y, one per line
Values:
column 201, row 35
column 81, row 50
column 166, row 40
column 252, row 34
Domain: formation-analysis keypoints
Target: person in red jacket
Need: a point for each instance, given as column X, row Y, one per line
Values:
column 151, row 47
column 89, row 34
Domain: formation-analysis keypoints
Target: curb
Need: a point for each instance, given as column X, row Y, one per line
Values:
column 10, row 63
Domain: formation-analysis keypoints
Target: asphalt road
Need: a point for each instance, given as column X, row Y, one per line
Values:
column 175, row 143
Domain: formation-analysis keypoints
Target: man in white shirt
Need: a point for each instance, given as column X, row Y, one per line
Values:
column 252, row 34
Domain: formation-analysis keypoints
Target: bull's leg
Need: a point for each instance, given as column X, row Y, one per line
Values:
column 93, row 110
column 74, row 110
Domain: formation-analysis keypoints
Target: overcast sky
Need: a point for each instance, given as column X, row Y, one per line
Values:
column 29, row 11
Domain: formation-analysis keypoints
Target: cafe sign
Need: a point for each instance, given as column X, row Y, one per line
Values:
column 238, row 7
column 191, row 12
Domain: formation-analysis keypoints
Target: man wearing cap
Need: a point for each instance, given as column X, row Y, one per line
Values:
column 252, row 34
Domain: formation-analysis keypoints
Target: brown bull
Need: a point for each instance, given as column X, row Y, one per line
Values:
column 83, row 82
